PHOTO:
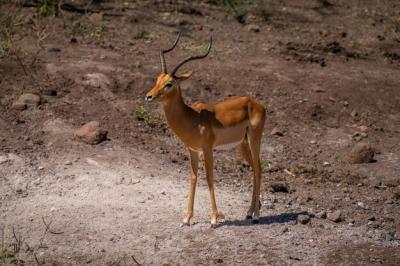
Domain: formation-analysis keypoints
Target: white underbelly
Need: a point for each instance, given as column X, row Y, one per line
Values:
column 227, row 146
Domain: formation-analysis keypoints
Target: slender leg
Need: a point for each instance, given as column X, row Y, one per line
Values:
column 209, row 164
column 246, row 154
column 255, row 142
column 194, row 166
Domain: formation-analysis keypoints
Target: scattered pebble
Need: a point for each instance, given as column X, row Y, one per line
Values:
column 253, row 28
column 276, row 132
column 335, row 216
column 25, row 100
column 321, row 215
column 91, row 133
column 279, row 187
column 359, row 136
column 96, row 17
column 361, row 153
column 303, row 218
column 363, row 129
column 362, row 205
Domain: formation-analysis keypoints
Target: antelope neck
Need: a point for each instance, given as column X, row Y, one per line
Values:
column 177, row 113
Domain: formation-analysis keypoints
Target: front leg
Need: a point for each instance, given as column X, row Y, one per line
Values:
column 209, row 165
column 194, row 166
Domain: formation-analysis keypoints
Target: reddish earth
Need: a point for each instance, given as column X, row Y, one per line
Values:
column 327, row 74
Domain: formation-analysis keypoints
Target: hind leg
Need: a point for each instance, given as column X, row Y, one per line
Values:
column 254, row 144
column 246, row 154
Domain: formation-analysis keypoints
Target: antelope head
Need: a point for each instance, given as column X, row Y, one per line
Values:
column 168, row 83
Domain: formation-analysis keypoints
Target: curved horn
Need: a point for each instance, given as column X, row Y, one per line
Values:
column 162, row 52
column 190, row 58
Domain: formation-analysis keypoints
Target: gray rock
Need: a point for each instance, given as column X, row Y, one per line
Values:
column 359, row 136
column 91, row 133
column 253, row 28
column 276, row 132
column 335, row 216
column 303, row 218
column 363, row 129
column 26, row 99
column 279, row 187
column 96, row 17
column 361, row 153
column 97, row 80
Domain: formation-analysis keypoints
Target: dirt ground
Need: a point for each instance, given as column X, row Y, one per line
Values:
column 328, row 75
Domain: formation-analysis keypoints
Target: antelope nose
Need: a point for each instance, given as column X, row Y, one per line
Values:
column 148, row 98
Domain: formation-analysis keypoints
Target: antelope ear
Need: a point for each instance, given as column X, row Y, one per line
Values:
column 184, row 76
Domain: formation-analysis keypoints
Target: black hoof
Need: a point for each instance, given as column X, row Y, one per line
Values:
column 248, row 217
column 256, row 221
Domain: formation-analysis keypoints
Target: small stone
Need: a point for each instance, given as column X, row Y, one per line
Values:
column 362, row 205
column 335, row 216
column 18, row 106
column 96, row 17
column 361, row 153
column 313, row 142
column 276, row 132
column 376, row 183
column 91, row 133
column 68, row 163
column 285, row 229
column 97, row 80
column 321, row 215
column 326, row 164
column 279, row 187
column 359, row 136
column 363, row 129
column 26, row 99
column 253, row 28
column 354, row 113
column 303, row 218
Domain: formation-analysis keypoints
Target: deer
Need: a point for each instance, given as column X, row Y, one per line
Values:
column 204, row 127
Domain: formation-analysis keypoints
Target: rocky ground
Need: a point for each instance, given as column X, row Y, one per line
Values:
column 90, row 174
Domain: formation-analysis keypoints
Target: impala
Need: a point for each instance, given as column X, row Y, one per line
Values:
column 202, row 127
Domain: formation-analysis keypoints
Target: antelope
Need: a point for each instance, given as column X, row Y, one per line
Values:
column 203, row 127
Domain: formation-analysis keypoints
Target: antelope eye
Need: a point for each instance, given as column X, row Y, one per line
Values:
column 168, row 85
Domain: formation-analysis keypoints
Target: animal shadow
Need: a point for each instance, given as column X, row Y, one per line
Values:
column 272, row 219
